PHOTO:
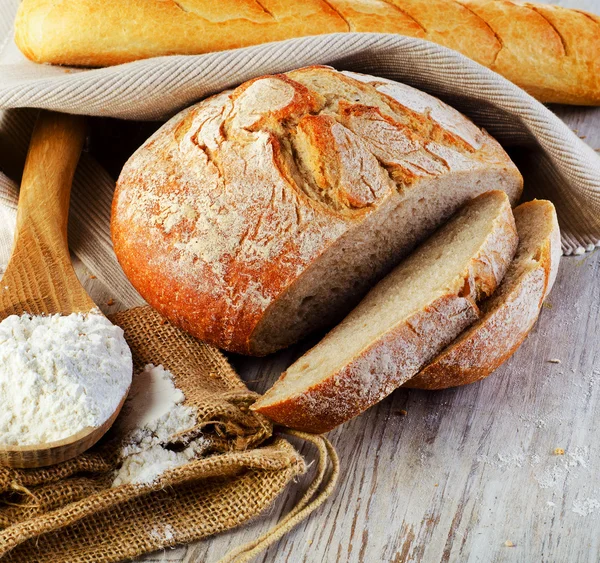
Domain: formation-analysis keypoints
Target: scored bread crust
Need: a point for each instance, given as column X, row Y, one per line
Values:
column 266, row 212
column 509, row 315
column 398, row 354
column 550, row 51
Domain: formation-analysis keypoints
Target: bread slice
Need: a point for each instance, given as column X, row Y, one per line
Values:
column 267, row 212
column 402, row 323
column 511, row 312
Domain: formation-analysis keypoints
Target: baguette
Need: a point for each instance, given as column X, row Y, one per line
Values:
column 510, row 314
column 552, row 52
column 402, row 323
column 267, row 212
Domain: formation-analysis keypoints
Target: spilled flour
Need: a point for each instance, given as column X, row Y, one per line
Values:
column 163, row 534
column 573, row 461
column 586, row 507
column 153, row 414
column 503, row 461
column 549, row 473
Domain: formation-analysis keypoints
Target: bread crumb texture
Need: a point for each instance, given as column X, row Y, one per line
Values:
column 402, row 323
column 511, row 312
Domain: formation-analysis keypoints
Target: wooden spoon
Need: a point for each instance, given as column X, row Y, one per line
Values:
column 39, row 278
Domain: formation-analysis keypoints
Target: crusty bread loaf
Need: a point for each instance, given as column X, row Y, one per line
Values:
column 264, row 213
column 510, row 313
column 552, row 52
column 401, row 324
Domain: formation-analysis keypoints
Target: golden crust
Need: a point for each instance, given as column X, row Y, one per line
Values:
column 92, row 33
column 550, row 51
column 366, row 381
column 490, row 344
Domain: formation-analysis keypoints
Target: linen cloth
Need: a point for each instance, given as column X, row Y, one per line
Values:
column 556, row 164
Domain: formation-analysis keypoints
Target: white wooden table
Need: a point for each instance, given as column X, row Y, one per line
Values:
column 467, row 474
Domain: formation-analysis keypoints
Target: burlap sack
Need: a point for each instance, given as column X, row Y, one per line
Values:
column 70, row 513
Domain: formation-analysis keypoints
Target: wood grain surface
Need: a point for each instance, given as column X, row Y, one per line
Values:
column 462, row 475
column 39, row 278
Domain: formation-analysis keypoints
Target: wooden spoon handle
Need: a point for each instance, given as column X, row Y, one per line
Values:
column 39, row 278
column 53, row 155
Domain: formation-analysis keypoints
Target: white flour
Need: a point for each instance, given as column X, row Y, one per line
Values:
column 573, row 463
column 59, row 375
column 585, row 507
column 164, row 533
column 153, row 414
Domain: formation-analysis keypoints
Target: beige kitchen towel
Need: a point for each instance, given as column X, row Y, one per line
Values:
column 561, row 167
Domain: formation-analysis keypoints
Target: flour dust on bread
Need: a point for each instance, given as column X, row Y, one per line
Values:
column 511, row 312
column 402, row 323
column 267, row 212
column 550, row 51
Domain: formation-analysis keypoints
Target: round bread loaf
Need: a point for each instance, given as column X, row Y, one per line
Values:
column 267, row 212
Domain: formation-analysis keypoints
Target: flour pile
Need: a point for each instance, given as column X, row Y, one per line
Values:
column 153, row 414
column 59, row 375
